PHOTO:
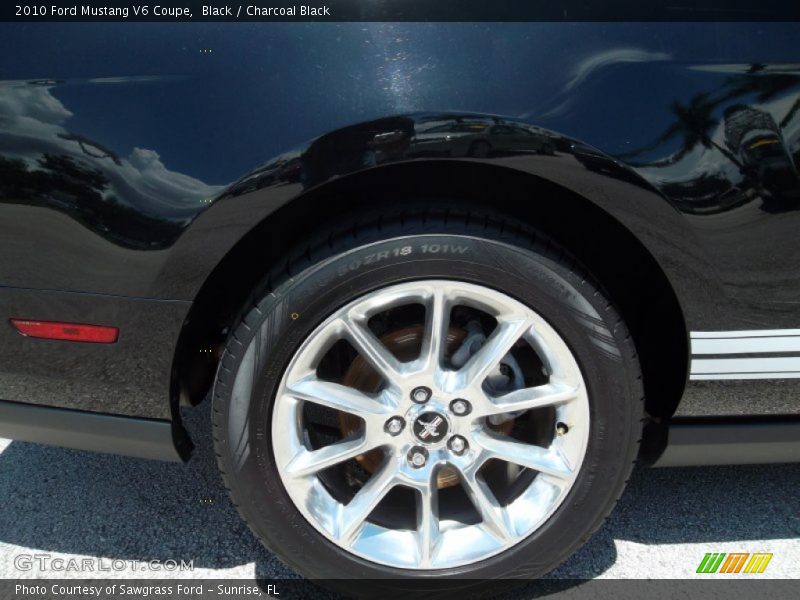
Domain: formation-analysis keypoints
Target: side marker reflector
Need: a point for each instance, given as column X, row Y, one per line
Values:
column 73, row 332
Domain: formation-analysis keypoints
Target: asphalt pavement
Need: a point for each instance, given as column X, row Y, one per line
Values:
column 68, row 504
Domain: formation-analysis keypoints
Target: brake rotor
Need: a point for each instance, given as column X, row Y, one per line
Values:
column 405, row 344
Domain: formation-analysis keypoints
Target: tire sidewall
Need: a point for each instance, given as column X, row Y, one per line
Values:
column 285, row 317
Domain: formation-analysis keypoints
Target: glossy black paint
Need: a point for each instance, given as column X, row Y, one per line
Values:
column 128, row 162
column 731, row 442
column 142, row 438
column 130, row 377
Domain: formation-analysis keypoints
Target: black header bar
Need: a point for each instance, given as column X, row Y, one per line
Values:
column 399, row 10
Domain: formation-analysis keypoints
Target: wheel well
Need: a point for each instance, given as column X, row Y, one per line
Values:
column 627, row 271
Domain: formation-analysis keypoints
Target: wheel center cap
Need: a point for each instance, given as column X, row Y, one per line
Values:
column 430, row 427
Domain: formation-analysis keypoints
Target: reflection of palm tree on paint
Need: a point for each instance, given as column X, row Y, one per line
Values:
column 693, row 122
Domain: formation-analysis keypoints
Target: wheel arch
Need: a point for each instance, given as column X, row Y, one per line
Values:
column 616, row 256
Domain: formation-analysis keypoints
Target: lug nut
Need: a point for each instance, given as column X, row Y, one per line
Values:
column 418, row 457
column 561, row 429
column 460, row 407
column 394, row 425
column 457, row 445
column 420, row 395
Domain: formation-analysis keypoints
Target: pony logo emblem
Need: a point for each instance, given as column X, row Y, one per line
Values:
column 430, row 427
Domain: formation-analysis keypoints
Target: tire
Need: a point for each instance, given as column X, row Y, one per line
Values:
column 361, row 259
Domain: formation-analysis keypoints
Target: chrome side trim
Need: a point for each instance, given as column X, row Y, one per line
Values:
column 747, row 333
column 764, row 375
column 719, row 344
column 745, row 365
column 746, row 345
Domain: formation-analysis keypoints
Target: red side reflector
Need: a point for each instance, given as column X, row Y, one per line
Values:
column 73, row 332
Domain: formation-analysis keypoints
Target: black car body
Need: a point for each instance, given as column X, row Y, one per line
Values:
column 663, row 155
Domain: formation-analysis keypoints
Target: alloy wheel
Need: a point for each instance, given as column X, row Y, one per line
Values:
column 439, row 455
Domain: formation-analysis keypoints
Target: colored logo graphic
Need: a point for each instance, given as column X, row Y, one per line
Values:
column 734, row 562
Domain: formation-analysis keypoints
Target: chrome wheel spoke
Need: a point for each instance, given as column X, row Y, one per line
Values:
column 372, row 349
column 507, row 333
column 428, row 522
column 495, row 517
column 338, row 397
column 437, row 318
column 531, row 398
column 309, row 462
column 540, row 459
column 352, row 516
